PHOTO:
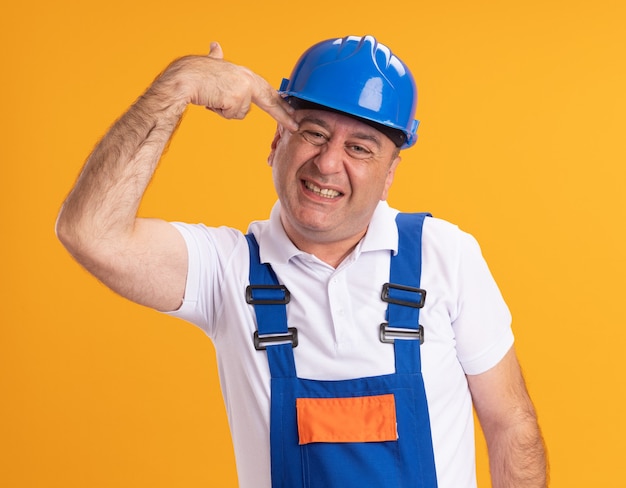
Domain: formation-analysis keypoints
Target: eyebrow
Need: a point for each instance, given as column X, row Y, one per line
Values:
column 359, row 135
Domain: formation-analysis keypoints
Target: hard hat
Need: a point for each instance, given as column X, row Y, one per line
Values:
column 360, row 77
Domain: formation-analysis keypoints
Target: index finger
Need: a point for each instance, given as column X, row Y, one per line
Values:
column 270, row 101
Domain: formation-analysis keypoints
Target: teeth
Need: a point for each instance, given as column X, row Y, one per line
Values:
column 323, row 192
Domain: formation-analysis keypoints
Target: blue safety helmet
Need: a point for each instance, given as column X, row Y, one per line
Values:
column 360, row 77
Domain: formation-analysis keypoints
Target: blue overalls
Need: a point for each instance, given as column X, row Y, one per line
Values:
column 363, row 432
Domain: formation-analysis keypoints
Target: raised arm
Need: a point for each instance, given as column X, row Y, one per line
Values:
column 517, row 456
column 145, row 260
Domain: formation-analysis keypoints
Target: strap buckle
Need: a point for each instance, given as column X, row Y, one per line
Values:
column 262, row 341
column 389, row 334
column 267, row 295
column 404, row 295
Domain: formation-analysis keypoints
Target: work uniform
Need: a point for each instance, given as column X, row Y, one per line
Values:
column 338, row 313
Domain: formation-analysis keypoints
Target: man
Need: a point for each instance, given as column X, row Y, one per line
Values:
column 326, row 380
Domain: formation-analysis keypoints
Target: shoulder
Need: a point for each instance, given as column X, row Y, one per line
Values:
column 214, row 247
column 443, row 240
column 203, row 235
column 434, row 229
column 438, row 229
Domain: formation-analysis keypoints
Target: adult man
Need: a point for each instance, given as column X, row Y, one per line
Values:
column 332, row 244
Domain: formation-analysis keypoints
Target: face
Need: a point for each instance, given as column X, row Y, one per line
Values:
column 329, row 176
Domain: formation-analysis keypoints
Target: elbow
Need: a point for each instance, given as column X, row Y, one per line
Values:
column 65, row 231
column 75, row 235
column 62, row 229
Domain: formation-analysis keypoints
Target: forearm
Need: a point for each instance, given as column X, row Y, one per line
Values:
column 517, row 456
column 107, row 194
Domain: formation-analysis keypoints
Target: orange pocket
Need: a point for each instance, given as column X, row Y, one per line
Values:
column 359, row 419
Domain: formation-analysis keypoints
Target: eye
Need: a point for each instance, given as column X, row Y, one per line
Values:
column 359, row 152
column 314, row 137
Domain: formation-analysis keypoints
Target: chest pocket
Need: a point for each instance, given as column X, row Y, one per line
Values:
column 354, row 419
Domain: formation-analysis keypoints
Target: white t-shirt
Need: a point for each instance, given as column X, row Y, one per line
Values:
column 338, row 313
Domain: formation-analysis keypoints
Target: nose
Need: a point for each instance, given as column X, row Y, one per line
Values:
column 330, row 158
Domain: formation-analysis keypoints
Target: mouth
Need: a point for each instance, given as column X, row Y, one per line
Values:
column 328, row 193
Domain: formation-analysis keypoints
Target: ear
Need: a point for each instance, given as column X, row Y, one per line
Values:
column 277, row 137
column 390, row 176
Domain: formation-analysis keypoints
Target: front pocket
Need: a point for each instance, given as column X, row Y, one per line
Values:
column 351, row 419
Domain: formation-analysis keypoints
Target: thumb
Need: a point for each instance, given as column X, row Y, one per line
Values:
column 216, row 51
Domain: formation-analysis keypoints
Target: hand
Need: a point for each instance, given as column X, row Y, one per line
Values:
column 225, row 88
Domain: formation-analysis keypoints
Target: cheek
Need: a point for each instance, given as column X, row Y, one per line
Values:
column 289, row 158
column 283, row 174
column 372, row 183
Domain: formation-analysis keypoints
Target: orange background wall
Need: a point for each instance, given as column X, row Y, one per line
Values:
column 521, row 143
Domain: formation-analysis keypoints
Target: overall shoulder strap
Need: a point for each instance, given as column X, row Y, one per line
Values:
column 404, row 296
column 269, row 299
